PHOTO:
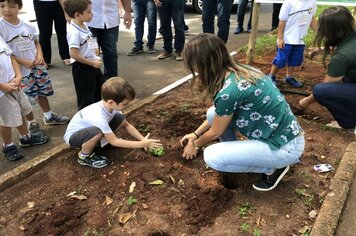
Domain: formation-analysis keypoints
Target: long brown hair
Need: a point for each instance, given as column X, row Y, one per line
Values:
column 207, row 58
column 334, row 24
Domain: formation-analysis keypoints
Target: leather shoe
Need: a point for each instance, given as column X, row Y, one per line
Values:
column 164, row 55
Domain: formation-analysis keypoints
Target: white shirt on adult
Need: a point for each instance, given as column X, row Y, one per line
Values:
column 105, row 14
column 298, row 15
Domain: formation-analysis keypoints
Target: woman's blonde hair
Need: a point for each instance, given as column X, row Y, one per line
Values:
column 207, row 58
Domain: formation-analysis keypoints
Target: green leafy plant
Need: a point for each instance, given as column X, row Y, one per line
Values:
column 143, row 128
column 305, row 196
column 256, row 232
column 157, row 152
column 246, row 209
column 131, row 200
column 245, row 227
column 90, row 232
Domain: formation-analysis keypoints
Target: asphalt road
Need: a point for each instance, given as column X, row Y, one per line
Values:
column 145, row 73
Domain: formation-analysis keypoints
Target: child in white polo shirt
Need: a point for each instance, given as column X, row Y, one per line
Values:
column 22, row 38
column 14, row 105
column 83, row 47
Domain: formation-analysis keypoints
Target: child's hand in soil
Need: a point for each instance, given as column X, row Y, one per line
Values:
column 150, row 143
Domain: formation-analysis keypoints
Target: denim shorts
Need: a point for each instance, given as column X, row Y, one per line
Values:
column 37, row 83
column 292, row 55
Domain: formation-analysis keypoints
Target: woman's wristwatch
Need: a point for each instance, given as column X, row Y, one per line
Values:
column 196, row 146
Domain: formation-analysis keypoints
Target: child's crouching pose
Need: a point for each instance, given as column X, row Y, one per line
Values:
column 101, row 122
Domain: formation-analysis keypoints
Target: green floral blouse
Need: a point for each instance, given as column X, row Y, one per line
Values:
column 260, row 111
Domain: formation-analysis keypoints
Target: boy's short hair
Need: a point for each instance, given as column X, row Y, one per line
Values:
column 117, row 89
column 18, row 2
column 73, row 6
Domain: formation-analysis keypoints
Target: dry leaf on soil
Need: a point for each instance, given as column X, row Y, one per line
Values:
column 123, row 218
column 157, row 182
column 132, row 187
column 108, row 200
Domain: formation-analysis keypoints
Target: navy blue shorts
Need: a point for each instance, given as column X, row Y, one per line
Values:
column 292, row 55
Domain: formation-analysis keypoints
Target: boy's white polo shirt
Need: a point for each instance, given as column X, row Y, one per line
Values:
column 7, row 72
column 21, row 39
column 94, row 115
column 298, row 15
column 105, row 14
column 83, row 40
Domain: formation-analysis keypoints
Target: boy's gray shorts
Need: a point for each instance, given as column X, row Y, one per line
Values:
column 78, row 138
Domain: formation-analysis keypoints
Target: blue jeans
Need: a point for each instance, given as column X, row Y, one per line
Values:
column 231, row 155
column 140, row 9
column 241, row 13
column 172, row 10
column 340, row 100
column 222, row 9
column 107, row 41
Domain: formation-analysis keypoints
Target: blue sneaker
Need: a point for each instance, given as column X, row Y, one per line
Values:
column 293, row 82
column 273, row 78
column 239, row 30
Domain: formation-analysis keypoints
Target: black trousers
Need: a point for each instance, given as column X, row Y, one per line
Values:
column 46, row 14
column 87, row 82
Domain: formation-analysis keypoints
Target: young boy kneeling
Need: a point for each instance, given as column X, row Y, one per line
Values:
column 101, row 121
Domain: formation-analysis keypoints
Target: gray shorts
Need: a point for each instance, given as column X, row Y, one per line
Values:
column 81, row 136
column 13, row 106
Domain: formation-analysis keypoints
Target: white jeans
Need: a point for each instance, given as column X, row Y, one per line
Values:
column 231, row 155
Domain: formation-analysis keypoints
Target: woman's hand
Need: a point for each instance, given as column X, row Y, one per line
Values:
column 190, row 151
column 189, row 137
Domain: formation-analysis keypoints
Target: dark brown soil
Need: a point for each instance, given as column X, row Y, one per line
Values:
column 191, row 200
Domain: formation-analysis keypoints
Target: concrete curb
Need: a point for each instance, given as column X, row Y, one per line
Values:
column 330, row 211
column 16, row 175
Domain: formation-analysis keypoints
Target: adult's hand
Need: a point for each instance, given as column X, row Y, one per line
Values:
column 158, row 3
column 189, row 151
column 127, row 20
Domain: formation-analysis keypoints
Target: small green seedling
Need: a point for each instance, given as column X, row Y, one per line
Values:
column 131, row 200
column 157, row 152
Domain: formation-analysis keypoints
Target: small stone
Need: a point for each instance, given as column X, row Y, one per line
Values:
column 287, row 216
column 312, row 214
column 2, row 220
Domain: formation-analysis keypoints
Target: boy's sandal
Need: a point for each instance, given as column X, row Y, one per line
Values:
column 12, row 153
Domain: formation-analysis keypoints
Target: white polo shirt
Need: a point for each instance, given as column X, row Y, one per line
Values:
column 105, row 13
column 82, row 40
column 7, row 72
column 298, row 15
column 21, row 39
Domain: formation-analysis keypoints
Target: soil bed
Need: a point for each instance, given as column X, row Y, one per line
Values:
column 191, row 200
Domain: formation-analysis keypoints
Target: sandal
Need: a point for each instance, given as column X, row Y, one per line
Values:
column 12, row 153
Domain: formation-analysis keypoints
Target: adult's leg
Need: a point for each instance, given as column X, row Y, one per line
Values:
column 44, row 18
column 165, row 16
column 223, row 12
column 107, row 40
column 177, row 9
column 241, row 9
column 340, row 100
column 208, row 15
column 275, row 15
column 250, row 19
column 139, row 10
column 252, row 156
column 152, row 23
column 60, row 25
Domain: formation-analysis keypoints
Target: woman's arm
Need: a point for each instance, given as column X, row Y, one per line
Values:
column 218, row 127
